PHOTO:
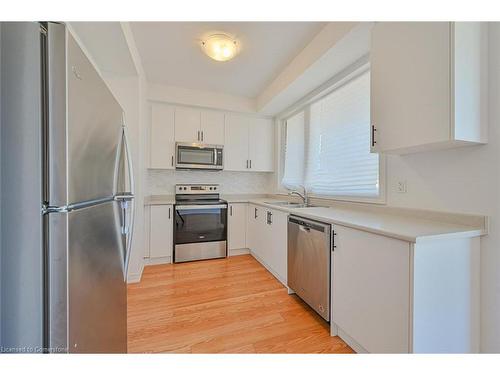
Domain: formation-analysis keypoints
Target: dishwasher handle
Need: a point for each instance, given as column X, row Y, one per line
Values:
column 308, row 225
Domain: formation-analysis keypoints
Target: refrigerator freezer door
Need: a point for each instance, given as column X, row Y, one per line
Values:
column 93, row 130
column 97, row 302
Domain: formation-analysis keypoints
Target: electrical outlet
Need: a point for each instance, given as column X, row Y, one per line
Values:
column 402, row 187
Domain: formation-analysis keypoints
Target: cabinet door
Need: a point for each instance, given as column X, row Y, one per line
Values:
column 162, row 140
column 236, row 143
column 261, row 145
column 410, row 84
column 187, row 124
column 256, row 229
column 279, row 243
column 212, row 127
column 237, row 222
column 370, row 289
column 161, row 229
column 265, row 237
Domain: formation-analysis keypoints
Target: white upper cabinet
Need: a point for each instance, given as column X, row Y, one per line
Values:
column 261, row 145
column 427, row 82
column 236, row 143
column 195, row 125
column 162, row 140
column 249, row 144
column 212, row 127
column 187, row 124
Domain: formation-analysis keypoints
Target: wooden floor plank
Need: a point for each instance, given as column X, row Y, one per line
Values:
column 231, row 305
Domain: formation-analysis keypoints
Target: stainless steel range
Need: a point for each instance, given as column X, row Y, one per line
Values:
column 200, row 228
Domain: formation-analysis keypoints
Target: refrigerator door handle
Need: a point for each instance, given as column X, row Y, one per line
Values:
column 130, row 222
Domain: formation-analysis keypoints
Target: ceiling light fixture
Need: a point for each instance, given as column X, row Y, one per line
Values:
column 220, row 47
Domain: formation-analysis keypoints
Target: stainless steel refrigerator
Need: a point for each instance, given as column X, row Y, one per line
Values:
column 66, row 197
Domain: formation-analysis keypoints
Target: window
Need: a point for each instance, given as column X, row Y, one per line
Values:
column 293, row 176
column 328, row 149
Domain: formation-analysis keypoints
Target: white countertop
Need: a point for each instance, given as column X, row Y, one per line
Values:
column 404, row 224
column 401, row 227
column 230, row 198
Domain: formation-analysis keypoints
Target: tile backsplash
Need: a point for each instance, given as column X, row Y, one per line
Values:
column 163, row 181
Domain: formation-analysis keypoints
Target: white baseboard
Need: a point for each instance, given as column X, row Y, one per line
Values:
column 350, row 341
column 234, row 252
column 134, row 278
column 155, row 261
column 266, row 266
column 334, row 329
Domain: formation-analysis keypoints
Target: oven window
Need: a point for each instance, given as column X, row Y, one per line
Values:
column 200, row 225
column 195, row 155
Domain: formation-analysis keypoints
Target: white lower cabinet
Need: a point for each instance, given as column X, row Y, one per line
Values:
column 277, row 244
column 161, row 231
column 237, row 222
column 255, row 224
column 393, row 296
column 267, row 238
column 370, row 289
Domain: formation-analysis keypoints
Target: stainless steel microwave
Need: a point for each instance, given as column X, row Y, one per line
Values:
column 199, row 156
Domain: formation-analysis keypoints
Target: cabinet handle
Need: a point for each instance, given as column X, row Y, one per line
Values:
column 269, row 218
column 255, row 213
column 250, row 163
column 198, row 135
column 333, row 241
column 202, row 135
column 374, row 129
column 231, row 210
column 172, row 160
column 247, row 163
column 169, row 212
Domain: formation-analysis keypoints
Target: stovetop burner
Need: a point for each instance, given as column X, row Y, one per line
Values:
column 198, row 194
column 200, row 201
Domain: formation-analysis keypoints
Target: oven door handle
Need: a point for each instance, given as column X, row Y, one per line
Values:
column 200, row 206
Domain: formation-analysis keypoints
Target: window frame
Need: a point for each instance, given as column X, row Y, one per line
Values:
column 343, row 78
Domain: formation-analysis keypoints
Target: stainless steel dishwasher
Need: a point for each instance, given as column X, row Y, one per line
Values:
column 309, row 244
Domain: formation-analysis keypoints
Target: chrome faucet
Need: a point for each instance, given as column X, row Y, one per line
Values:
column 303, row 196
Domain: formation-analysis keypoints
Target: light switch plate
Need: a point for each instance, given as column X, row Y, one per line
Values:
column 402, row 187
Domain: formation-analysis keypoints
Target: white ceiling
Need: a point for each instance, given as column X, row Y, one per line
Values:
column 171, row 54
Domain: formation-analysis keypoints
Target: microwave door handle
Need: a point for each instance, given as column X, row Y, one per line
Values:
column 215, row 156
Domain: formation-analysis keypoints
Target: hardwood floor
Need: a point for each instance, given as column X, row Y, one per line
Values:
column 231, row 305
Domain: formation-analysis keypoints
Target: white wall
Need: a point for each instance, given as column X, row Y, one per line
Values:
column 464, row 180
column 163, row 181
column 200, row 98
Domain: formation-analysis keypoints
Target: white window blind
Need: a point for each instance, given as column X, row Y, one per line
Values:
column 293, row 175
column 338, row 161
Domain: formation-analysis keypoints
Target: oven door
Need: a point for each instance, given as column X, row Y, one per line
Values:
column 193, row 156
column 200, row 232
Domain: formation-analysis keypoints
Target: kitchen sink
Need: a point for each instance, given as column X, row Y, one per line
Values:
column 285, row 204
